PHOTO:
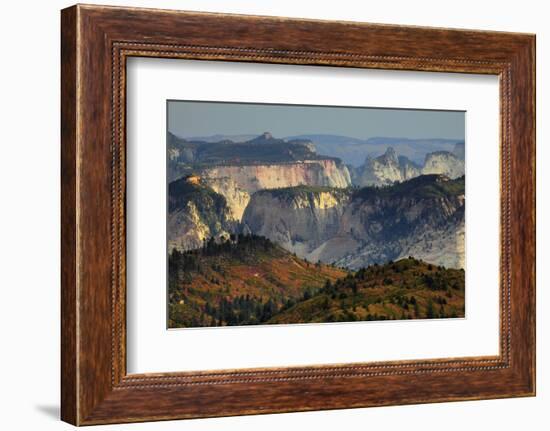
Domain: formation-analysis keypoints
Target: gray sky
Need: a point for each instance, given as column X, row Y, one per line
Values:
column 188, row 119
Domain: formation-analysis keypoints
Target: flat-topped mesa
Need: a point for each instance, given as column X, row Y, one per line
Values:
column 185, row 156
column 251, row 178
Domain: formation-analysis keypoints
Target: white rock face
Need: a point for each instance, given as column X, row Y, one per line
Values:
column 173, row 153
column 299, row 220
column 251, row 178
column 187, row 229
column 388, row 169
column 237, row 198
column 443, row 162
column 383, row 170
column 196, row 213
column 443, row 246
column 408, row 169
column 356, row 231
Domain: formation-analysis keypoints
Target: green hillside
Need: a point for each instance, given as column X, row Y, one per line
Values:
column 248, row 280
column 243, row 280
column 406, row 289
column 423, row 187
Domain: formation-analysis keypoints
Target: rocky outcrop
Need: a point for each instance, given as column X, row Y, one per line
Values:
column 236, row 198
column 382, row 170
column 422, row 217
column 445, row 163
column 389, row 168
column 427, row 227
column 187, row 228
column 195, row 214
column 443, row 245
column 236, row 183
column 251, row 178
column 408, row 169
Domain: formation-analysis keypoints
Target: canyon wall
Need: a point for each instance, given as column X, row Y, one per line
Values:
column 254, row 177
column 299, row 219
column 423, row 217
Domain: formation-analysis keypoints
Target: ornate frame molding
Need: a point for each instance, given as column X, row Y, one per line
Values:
column 96, row 42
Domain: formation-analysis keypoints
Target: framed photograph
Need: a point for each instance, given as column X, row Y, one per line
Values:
column 313, row 228
column 265, row 215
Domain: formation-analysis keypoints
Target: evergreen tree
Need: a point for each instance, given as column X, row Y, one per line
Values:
column 430, row 312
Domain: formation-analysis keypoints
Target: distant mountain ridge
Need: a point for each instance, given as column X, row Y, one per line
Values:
column 261, row 149
column 353, row 151
column 220, row 138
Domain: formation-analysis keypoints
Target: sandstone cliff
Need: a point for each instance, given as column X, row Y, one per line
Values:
column 196, row 213
column 254, row 177
column 423, row 217
column 299, row 219
column 236, row 198
column 238, row 169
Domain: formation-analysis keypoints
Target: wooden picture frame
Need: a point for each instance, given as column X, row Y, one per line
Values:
column 95, row 43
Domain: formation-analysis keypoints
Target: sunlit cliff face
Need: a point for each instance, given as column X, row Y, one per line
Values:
column 252, row 178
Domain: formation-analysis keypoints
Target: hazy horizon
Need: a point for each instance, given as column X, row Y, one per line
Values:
column 202, row 119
